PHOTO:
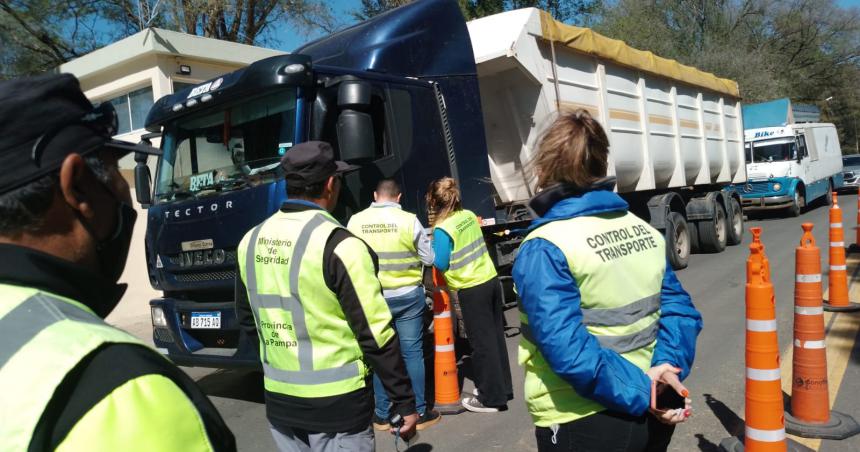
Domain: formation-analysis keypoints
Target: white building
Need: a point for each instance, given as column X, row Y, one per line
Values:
column 134, row 72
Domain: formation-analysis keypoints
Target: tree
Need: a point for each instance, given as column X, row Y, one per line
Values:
column 576, row 11
column 42, row 34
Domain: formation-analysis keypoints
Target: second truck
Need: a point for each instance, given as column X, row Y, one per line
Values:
column 416, row 94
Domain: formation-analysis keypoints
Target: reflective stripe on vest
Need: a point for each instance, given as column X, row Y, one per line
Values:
column 389, row 231
column 470, row 262
column 42, row 338
column 306, row 375
column 617, row 261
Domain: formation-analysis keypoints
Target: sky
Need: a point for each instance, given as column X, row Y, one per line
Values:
column 343, row 8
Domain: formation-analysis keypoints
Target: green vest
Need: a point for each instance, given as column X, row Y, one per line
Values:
column 390, row 232
column 42, row 338
column 470, row 262
column 618, row 261
column 306, row 344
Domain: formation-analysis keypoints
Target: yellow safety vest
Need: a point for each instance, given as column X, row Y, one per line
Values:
column 470, row 262
column 306, row 344
column 617, row 261
column 390, row 232
column 43, row 337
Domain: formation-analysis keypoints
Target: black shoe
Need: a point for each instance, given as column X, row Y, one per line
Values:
column 379, row 423
column 428, row 419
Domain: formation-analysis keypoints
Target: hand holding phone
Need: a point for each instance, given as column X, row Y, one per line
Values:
column 669, row 399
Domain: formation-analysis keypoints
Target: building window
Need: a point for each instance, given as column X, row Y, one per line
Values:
column 132, row 108
column 179, row 86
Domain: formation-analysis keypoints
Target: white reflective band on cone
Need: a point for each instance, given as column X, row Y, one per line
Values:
column 806, row 310
column 835, row 244
column 808, row 278
column 445, row 348
column 761, row 326
column 442, row 315
column 763, row 374
column 812, row 345
column 838, row 267
column 835, row 225
column 765, row 436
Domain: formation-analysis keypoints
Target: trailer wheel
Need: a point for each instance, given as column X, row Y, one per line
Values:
column 713, row 233
column 677, row 240
column 736, row 222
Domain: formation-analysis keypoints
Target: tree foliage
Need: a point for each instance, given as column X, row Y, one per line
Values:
column 44, row 34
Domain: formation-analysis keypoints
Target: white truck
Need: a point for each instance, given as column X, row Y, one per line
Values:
column 789, row 164
column 676, row 144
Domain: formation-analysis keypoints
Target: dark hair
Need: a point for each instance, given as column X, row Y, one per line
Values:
column 573, row 150
column 388, row 187
column 23, row 209
column 443, row 199
column 312, row 191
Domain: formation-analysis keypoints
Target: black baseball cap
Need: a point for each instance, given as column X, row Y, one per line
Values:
column 45, row 118
column 311, row 162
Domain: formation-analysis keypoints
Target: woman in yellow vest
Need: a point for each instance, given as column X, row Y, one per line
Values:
column 460, row 252
column 603, row 315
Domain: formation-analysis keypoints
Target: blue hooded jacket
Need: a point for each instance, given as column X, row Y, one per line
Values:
column 550, row 298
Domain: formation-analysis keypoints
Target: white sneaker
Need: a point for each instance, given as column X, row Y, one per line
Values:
column 474, row 405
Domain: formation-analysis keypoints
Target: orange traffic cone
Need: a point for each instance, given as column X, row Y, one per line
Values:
column 838, row 279
column 810, row 414
column 765, row 428
column 447, row 393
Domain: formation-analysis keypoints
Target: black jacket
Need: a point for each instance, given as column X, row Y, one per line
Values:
column 106, row 368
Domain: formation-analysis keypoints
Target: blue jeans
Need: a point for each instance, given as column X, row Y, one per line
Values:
column 408, row 313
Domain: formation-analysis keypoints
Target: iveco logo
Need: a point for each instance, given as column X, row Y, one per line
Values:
column 197, row 210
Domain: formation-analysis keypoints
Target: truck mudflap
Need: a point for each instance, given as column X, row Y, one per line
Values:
column 202, row 334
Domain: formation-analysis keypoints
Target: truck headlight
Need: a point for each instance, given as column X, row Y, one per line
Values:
column 777, row 186
column 158, row 317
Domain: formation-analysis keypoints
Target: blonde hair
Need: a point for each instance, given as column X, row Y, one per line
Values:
column 443, row 199
column 573, row 150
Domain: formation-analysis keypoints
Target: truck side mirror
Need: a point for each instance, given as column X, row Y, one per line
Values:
column 355, row 136
column 142, row 180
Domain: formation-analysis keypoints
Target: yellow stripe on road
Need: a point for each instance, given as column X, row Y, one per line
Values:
column 840, row 342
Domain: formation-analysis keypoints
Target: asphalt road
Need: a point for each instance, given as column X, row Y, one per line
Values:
column 716, row 283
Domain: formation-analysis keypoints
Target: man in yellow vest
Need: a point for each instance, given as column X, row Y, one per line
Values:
column 71, row 382
column 402, row 246
column 308, row 289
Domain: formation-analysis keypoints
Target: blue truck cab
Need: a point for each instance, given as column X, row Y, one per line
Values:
column 789, row 164
column 397, row 95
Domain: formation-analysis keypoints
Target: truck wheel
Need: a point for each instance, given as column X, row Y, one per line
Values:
column 829, row 194
column 695, row 248
column 736, row 223
column 677, row 241
column 797, row 206
column 713, row 233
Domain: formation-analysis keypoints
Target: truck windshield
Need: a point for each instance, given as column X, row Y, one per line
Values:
column 772, row 151
column 226, row 149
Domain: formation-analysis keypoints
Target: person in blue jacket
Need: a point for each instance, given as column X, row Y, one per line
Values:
column 606, row 325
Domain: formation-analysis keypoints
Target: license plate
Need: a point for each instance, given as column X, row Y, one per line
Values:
column 206, row 320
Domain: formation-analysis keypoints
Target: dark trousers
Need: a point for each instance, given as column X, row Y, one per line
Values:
column 607, row 431
column 482, row 313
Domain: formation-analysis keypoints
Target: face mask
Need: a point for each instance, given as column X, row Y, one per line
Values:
column 112, row 252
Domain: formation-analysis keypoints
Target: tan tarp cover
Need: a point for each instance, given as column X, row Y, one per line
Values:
column 587, row 41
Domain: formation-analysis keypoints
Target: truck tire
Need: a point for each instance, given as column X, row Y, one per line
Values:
column 798, row 204
column 713, row 233
column 677, row 240
column 829, row 196
column 736, row 223
column 694, row 238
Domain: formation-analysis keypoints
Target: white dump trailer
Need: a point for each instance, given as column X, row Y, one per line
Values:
column 676, row 134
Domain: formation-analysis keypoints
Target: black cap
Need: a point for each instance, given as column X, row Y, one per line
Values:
column 45, row 118
column 311, row 162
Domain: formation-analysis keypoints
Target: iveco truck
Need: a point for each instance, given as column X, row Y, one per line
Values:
column 415, row 94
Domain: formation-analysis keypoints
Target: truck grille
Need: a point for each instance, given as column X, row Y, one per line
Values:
column 206, row 276
column 756, row 188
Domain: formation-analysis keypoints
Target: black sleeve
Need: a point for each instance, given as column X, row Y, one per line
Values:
column 244, row 314
column 386, row 361
column 98, row 375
